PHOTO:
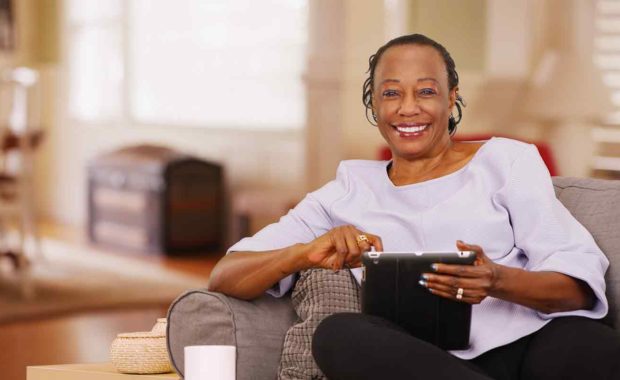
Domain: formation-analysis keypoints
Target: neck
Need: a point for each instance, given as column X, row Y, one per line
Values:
column 408, row 170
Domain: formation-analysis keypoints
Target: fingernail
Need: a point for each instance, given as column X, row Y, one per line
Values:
column 424, row 277
column 435, row 267
column 422, row 282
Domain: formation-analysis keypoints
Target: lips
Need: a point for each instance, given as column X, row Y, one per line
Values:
column 410, row 128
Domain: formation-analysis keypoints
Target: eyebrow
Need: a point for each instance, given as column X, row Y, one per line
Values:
column 419, row 80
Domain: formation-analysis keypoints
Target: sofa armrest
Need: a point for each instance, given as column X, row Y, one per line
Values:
column 256, row 328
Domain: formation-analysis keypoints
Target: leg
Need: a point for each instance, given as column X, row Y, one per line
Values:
column 505, row 362
column 358, row 346
column 573, row 348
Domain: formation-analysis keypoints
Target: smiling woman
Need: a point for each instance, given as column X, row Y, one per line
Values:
column 538, row 275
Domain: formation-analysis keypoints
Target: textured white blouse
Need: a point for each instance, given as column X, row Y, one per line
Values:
column 502, row 200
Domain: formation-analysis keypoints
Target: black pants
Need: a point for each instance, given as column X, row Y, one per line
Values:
column 358, row 346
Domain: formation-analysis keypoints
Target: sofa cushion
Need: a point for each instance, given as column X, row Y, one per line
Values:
column 595, row 203
column 317, row 294
column 256, row 328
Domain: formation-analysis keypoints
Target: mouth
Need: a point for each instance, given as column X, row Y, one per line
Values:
column 410, row 129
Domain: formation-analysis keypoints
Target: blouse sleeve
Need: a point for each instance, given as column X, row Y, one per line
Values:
column 547, row 234
column 307, row 221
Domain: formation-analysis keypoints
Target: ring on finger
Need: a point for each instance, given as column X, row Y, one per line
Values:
column 361, row 238
column 459, row 293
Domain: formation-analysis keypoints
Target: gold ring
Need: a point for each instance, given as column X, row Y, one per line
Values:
column 361, row 238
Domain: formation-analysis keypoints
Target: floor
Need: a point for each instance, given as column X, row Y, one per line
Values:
column 83, row 337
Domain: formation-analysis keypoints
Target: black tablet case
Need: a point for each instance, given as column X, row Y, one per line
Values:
column 390, row 289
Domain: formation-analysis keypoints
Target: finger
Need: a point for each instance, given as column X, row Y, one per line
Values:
column 362, row 244
column 455, row 282
column 481, row 257
column 353, row 248
column 342, row 250
column 376, row 242
column 443, row 280
column 467, row 295
column 452, row 296
column 447, row 289
column 353, row 257
column 467, row 291
column 355, row 262
column 461, row 245
column 473, row 287
column 459, row 270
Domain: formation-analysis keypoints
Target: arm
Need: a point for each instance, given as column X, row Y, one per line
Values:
column 563, row 268
column 247, row 275
column 545, row 291
column 304, row 238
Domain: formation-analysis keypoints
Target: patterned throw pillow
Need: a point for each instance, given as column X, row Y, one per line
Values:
column 318, row 293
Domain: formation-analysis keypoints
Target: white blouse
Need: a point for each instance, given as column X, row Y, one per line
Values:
column 502, row 200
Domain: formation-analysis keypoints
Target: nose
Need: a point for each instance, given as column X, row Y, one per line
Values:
column 409, row 106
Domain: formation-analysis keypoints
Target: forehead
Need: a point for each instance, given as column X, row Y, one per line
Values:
column 411, row 62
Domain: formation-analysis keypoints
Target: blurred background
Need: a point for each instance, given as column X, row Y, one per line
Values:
column 271, row 90
column 253, row 104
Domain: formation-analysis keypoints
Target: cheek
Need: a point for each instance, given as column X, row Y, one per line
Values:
column 386, row 108
column 436, row 108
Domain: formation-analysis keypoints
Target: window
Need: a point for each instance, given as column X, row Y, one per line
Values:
column 607, row 50
column 216, row 63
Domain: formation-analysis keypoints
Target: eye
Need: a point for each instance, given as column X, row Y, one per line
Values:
column 427, row 92
column 390, row 93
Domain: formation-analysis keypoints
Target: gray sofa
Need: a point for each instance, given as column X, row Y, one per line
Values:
column 257, row 328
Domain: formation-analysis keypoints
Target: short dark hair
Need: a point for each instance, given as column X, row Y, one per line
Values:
column 412, row 39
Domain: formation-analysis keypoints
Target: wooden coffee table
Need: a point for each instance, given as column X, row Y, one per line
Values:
column 93, row 371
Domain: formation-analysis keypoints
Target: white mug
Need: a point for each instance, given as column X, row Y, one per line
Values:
column 210, row 362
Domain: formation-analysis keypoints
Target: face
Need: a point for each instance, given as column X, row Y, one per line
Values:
column 412, row 101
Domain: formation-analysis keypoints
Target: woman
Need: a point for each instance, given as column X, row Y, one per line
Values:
column 538, row 279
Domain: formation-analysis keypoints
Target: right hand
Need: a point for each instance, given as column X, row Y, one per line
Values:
column 339, row 246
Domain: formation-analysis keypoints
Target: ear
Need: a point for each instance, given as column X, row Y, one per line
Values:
column 452, row 96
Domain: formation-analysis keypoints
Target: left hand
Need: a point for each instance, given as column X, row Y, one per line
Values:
column 476, row 282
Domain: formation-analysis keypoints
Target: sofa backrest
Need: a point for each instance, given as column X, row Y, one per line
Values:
column 595, row 203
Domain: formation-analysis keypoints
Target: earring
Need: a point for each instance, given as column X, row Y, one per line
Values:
column 451, row 124
column 374, row 116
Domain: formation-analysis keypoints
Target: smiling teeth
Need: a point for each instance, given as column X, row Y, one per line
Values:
column 412, row 129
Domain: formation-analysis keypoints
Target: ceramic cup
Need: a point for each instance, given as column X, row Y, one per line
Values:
column 210, row 362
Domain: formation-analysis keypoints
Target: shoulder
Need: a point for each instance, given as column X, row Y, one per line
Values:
column 349, row 176
column 362, row 171
column 499, row 159
column 508, row 146
column 361, row 167
column 504, row 152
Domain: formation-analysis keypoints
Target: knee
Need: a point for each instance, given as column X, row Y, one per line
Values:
column 560, row 351
column 332, row 339
column 332, row 326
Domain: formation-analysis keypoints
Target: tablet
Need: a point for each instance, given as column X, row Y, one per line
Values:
column 390, row 289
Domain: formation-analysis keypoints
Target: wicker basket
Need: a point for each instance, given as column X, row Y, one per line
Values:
column 160, row 326
column 140, row 353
